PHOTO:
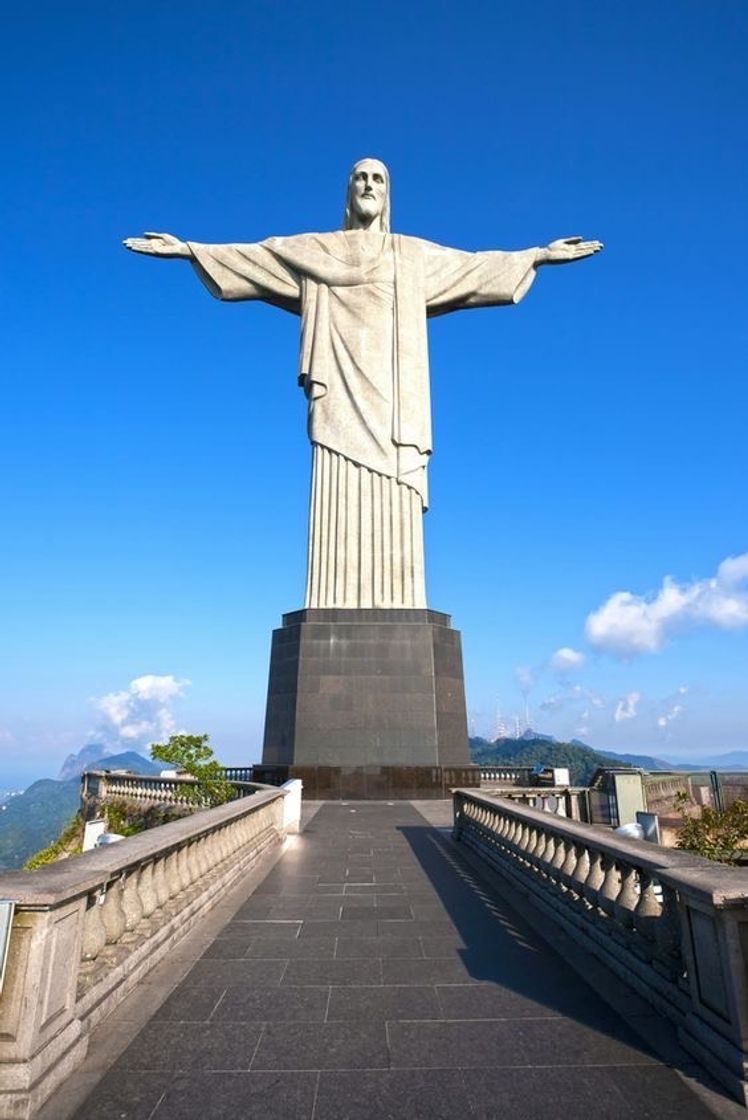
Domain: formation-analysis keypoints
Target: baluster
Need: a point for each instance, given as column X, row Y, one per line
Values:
column 224, row 842
column 112, row 914
column 532, row 844
column 160, row 885
column 549, row 852
column 628, row 896
column 180, row 868
column 187, row 864
column 132, row 905
column 580, row 873
column 595, row 879
column 146, row 891
column 608, row 893
column 559, row 856
column 173, row 880
column 648, row 909
column 94, row 934
column 213, row 852
column 566, row 872
column 207, row 854
column 540, row 848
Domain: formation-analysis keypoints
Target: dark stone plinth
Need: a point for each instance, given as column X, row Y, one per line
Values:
column 367, row 690
column 373, row 783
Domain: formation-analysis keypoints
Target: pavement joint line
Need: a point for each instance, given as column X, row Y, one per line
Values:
column 257, row 1046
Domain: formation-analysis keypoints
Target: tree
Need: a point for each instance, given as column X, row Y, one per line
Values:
column 716, row 834
column 193, row 754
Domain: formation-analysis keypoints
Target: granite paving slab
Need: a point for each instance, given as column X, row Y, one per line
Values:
column 373, row 976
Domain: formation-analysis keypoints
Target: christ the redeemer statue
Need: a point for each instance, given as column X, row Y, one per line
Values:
column 364, row 295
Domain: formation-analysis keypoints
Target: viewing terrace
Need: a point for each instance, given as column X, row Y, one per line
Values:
column 406, row 959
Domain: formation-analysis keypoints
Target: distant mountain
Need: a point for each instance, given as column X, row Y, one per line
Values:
column 95, row 756
column 34, row 819
column 75, row 764
column 642, row 761
column 128, row 760
column 582, row 761
column 733, row 760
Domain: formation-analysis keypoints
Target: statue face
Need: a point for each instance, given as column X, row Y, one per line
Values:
column 368, row 190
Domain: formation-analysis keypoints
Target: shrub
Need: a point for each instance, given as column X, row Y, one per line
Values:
column 716, row 834
column 193, row 754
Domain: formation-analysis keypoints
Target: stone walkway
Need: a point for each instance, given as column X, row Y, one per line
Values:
column 372, row 975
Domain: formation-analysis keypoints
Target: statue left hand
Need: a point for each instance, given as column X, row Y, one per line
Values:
column 568, row 249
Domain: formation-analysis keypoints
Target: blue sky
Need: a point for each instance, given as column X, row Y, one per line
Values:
column 589, row 442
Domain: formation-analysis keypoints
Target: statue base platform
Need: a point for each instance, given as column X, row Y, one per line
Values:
column 373, row 783
column 367, row 700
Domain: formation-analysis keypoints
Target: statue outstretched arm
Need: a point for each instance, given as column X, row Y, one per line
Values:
column 567, row 249
column 229, row 272
column 158, row 245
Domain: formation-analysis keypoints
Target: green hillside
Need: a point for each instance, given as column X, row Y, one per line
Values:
column 581, row 761
column 34, row 819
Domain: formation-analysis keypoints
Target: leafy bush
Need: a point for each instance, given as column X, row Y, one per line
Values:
column 716, row 834
column 124, row 817
column 68, row 843
column 129, row 818
column 192, row 754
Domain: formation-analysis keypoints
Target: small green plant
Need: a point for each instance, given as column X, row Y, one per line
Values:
column 716, row 834
column 124, row 818
column 68, row 843
column 193, row 754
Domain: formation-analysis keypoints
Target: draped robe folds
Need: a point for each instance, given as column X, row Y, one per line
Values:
column 363, row 299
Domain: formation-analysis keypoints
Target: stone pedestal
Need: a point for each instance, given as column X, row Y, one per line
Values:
column 367, row 704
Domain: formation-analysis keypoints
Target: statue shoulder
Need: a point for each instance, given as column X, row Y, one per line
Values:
column 418, row 246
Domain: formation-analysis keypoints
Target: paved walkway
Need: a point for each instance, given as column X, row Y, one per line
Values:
column 371, row 975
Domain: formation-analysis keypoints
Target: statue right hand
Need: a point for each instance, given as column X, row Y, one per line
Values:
column 158, row 245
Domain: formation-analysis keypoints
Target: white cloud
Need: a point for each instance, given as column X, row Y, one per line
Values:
column 140, row 714
column 627, row 625
column 626, row 706
column 6, row 737
column 565, row 660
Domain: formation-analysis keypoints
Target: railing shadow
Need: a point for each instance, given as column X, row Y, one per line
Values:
column 499, row 947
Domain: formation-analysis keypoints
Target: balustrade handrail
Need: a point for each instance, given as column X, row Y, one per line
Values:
column 67, row 879
column 538, row 791
column 651, row 857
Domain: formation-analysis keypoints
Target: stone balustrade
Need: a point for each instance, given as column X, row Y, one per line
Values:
column 564, row 801
column 87, row 929
column 672, row 925
column 106, row 785
column 506, row 775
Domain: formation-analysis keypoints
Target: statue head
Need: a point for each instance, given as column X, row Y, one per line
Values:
column 367, row 204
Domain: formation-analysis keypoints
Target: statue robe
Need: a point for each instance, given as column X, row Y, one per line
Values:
column 363, row 299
